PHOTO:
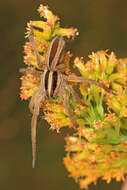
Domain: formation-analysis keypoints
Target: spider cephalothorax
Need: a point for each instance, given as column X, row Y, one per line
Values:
column 54, row 81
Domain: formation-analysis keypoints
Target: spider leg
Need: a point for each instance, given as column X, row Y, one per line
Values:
column 33, row 137
column 68, row 108
column 34, row 106
column 83, row 79
column 76, row 96
column 61, row 68
column 34, row 99
column 31, row 71
column 124, row 185
column 32, row 42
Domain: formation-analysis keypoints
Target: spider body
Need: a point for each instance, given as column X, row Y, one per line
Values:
column 54, row 82
column 51, row 83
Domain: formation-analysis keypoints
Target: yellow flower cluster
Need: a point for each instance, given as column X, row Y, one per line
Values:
column 99, row 147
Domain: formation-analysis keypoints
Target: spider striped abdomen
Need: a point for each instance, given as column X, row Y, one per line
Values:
column 50, row 83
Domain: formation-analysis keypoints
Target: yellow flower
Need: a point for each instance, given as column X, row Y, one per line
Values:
column 46, row 13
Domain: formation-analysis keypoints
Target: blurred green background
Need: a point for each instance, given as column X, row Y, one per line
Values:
column 102, row 25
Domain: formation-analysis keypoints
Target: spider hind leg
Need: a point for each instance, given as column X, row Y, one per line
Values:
column 69, row 110
column 34, row 106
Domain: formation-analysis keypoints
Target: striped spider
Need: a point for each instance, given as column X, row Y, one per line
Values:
column 54, row 81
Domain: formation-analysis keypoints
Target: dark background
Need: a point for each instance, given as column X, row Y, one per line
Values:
column 102, row 25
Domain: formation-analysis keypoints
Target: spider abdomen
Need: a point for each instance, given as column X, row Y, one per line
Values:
column 55, row 52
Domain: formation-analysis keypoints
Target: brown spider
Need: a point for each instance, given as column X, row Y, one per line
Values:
column 54, row 82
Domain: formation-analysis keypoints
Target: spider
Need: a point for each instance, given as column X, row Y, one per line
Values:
column 54, row 81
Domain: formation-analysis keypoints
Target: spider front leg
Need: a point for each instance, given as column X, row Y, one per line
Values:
column 32, row 42
column 68, row 108
column 77, row 79
column 34, row 106
column 30, row 70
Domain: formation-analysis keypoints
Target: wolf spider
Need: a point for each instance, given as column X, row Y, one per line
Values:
column 54, row 81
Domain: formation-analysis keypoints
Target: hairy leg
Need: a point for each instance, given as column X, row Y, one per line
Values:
column 61, row 68
column 68, row 108
column 34, row 99
column 31, row 71
column 34, row 106
column 76, row 96
column 77, row 79
column 32, row 42
column 124, row 185
column 33, row 137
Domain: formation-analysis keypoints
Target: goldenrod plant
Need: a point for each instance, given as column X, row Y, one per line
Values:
column 98, row 147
